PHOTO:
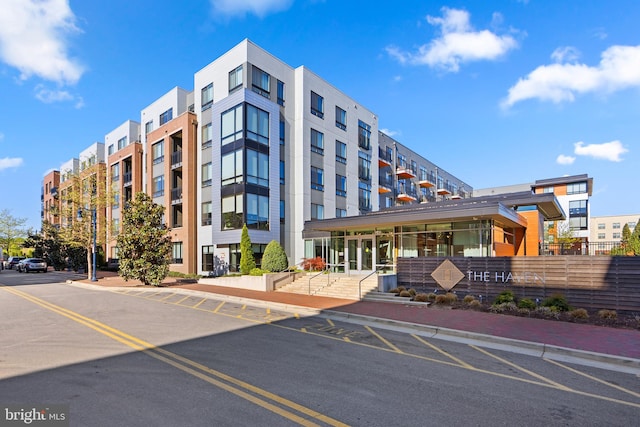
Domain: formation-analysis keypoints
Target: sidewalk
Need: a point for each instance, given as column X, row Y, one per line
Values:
column 623, row 343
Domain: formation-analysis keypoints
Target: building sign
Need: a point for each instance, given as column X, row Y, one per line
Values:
column 447, row 275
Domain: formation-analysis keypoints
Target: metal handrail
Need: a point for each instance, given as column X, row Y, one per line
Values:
column 325, row 269
column 376, row 271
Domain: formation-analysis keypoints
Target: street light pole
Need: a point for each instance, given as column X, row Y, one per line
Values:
column 94, row 249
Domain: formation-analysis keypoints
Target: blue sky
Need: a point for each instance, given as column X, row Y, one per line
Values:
column 498, row 93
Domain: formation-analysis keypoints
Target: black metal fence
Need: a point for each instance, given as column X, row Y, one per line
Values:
column 584, row 248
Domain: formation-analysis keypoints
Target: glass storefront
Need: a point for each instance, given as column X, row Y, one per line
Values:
column 367, row 250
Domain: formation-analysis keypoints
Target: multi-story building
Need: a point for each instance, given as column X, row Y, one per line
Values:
column 50, row 209
column 609, row 228
column 260, row 143
column 124, row 176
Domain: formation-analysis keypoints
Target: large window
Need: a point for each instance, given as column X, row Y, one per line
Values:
column 158, row 186
column 341, row 213
column 282, row 170
column 257, row 212
column 235, row 78
column 317, row 211
column 257, row 125
column 281, row 132
column 578, row 215
column 206, row 174
column 232, row 169
column 166, row 116
column 577, row 188
column 260, row 82
column 206, row 213
column 148, row 127
column 364, row 135
column 317, row 105
column 115, row 172
column 364, row 166
column 280, row 93
column 207, row 96
column 341, row 185
column 317, row 142
column 341, row 118
column 177, row 253
column 232, row 212
column 364, row 196
column 158, row 152
column 207, row 135
column 231, row 125
column 122, row 142
column 257, row 168
column 341, row 152
column 317, row 178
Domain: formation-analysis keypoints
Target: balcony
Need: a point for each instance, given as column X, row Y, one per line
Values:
column 384, row 159
column 443, row 192
column 176, row 159
column 425, row 183
column 404, row 173
column 405, row 197
column 127, row 178
column 384, row 185
column 176, row 195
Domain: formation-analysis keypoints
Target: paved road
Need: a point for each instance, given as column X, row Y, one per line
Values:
column 170, row 357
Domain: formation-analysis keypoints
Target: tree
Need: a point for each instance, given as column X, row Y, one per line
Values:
column 48, row 245
column 247, row 262
column 144, row 243
column 274, row 257
column 11, row 230
column 634, row 240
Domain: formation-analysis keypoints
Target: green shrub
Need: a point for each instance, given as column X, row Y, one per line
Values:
column 468, row 299
column 558, row 301
column 394, row 291
column 504, row 307
column 550, row 312
column 257, row 272
column 431, row 296
column 412, row 292
column 504, row 297
column 579, row 313
column 274, row 257
column 405, row 294
column 475, row 304
column 608, row 314
column 401, row 288
column 440, row 299
column 527, row 303
column 421, row 298
column 450, row 297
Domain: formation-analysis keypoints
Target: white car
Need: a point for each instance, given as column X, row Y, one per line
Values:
column 32, row 264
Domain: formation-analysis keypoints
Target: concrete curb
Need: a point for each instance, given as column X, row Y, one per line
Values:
column 545, row 351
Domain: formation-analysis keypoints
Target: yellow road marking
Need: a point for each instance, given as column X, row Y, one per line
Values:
column 183, row 364
column 545, row 383
column 575, row 371
column 520, row 368
column 168, row 296
column 199, row 303
column 441, row 351
column 178, row 302
column 330, row 322
column 383, row 339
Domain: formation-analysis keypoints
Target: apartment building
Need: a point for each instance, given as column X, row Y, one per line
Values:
column 609, row 228
column 260, row 143
column 124, row 176
column 50, row 209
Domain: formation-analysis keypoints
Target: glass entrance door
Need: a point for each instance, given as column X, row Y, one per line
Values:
column 360, row 254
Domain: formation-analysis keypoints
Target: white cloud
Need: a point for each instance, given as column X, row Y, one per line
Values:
column 565, row 54
column 389, row 132
column 565, row 160
column 606, row 151
column 9, row 162
column 242, row 7
column 458, row 43
column 49, row 96
column 619, row 68
column 33, row 39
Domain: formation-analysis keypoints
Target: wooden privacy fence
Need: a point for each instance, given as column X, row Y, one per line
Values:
column 590, row 282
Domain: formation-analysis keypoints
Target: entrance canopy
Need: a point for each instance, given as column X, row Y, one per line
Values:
column 502, row 209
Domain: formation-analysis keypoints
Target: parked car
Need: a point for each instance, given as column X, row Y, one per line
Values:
column 13, row 261
column 32, row 264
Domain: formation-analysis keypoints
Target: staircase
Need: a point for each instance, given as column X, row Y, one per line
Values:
column 334, row 285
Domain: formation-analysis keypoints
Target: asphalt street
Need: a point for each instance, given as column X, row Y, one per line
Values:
column 171, row 357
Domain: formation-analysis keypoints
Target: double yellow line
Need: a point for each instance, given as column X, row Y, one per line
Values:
column 251, row 393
